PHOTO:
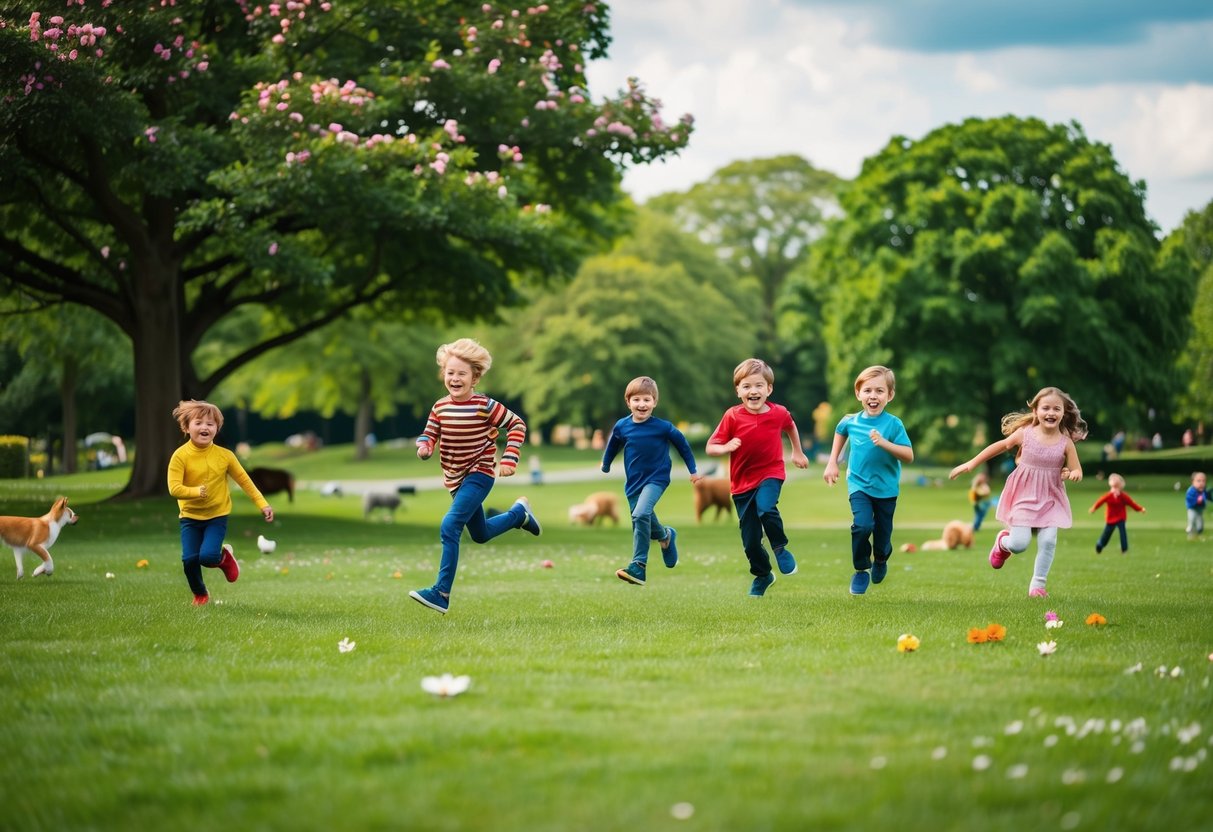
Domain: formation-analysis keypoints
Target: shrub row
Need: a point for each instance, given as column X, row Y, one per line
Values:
column 14, row 457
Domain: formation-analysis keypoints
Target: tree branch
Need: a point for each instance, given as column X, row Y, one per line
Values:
column 54, row 280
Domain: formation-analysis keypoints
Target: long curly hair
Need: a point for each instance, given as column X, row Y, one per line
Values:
column 1072, row 423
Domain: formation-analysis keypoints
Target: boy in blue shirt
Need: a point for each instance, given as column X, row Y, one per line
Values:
column 879, row 445
column 645, row 441
column 1196, row 498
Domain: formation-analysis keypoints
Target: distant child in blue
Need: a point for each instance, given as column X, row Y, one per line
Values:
column 879, row 444
column 980, row 497
column 645, row 441
column 1197, row 498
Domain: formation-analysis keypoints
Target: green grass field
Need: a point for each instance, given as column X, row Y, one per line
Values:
column 596, row 705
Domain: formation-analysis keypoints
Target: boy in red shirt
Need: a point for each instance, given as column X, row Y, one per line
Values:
column 1115, row 502
column 752, row 433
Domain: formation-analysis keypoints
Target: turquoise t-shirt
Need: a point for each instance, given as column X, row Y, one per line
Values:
column 875, row 472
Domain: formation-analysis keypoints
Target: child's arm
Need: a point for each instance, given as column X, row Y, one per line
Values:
column 429, row 436
column 236, row 471
column 502, row 418
column 831, row 472
column 613, row 446
column 718, row 445
column 991, row 450
column 684, row 450
column 1073, row 469
column 905, row 453
column 1100, row 502
column 798, row 457
column 176, row 481
column 1132, row 503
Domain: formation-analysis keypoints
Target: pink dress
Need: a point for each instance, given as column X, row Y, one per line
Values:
column 1034, row 495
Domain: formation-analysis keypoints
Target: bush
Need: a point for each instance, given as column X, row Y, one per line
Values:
column 14, row 457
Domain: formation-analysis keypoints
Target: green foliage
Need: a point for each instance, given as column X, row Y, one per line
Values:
column 14, row 456
column 1195, row 364
column 995, row 257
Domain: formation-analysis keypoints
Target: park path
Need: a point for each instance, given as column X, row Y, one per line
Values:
column 523, row 477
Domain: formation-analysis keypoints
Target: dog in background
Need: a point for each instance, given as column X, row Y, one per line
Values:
column 955, row 535
column 37, row 535
column 709, row 492
column 372, row 501
column 596, row 507
column 273, row 480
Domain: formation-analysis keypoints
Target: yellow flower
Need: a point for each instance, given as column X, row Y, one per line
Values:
column 995, row 632
column 397, row 574
column 141, row 564
column 907, row 643
column 978, row 635
column 1096, row 620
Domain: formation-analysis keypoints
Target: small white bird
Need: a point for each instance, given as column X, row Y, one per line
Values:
column 266, row 545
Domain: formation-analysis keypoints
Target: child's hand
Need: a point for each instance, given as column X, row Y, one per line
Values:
column 268, row 514
column 696, row 478
column 831, row 472
column 874, row 435
column 963, row 468
column 202, row 491
column 800, row 460
column 732, row 445
column 425, row 450
column 506, row 469
column 1073, row 475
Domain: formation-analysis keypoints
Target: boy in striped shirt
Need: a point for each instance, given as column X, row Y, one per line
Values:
column 464, row 426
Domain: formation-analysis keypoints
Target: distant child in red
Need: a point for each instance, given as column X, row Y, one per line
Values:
column 1115, row 503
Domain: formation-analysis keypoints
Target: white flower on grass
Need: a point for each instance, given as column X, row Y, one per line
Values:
column 939, row 753
column 446, row 684
column 1013, row 727
column 682, row 811
column 1188, row 733
column 1017, row 772
column 1050, row 740
column 1176, row 672
column 1129, row 671
column 1047, row 648
column 878, row 762
column 345, row 645
column 1073, row 776
column 109, row 574
column 1054, row 624
column 1115, row 774
column 982, row 762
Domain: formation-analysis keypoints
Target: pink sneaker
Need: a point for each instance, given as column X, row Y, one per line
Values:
column 999, row 555
column 231, row 569
column 1037, row 592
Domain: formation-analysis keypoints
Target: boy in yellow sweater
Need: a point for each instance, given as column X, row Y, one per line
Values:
column 197, row 477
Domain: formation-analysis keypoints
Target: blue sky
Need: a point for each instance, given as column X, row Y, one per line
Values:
column 833, row 80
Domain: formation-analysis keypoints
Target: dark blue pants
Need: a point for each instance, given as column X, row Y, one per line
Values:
column 1107, row 535
column 758, row 514
column 467, row 512
column 201, row 545
column 871, row 529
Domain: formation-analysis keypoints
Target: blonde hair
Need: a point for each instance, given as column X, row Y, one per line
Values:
column 467, row 350
column 1116, row 481
column 188, row 410
column 1072, row 424
column 874, row 371
column 641, row 386
column 753, row 367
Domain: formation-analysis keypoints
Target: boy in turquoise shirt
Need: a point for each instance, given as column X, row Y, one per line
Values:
column 879, row 444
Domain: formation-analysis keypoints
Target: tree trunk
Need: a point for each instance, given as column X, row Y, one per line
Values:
column 67, row 399
column 156, row 342
column 362, row 422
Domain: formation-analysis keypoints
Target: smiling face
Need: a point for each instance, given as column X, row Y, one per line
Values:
column 641, row 405
column 1049, row 410
column 460, row 379
column 1199, row 481
column 874, row 394
column 754, row 390
column 202, row 430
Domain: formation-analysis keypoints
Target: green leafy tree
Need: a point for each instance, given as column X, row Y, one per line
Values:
column 1195, row 363
column 168, row 163
column 761, row 216
column 994, row 257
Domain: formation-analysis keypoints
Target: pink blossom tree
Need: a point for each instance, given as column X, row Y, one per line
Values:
column 168, row 163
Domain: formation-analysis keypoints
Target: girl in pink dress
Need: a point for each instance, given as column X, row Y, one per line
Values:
column 1034, row 499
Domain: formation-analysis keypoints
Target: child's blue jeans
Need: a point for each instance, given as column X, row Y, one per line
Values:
column 645, row 525
column 467, row 511
column 1107, row 535
column 871, row 529
column 201, row 545
column 758, row 514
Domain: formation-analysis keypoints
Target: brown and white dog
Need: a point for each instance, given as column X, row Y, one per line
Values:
column 596, row 507
column 37, row 535
column 955, row 535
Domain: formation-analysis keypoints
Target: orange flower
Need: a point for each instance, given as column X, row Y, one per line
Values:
column 1096, row 620
column 907, row 643
column 978, row 635
column 141, row 564
column 995, row 632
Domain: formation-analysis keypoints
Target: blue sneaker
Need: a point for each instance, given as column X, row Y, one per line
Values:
column 431, row 598
column 761, row 582
column 859, row 583
column 880, row 568
column 786, row 561
column 529, row 522
column 670, row 553
column 633, row 573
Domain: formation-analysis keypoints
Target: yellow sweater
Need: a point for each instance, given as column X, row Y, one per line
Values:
column 192, row 467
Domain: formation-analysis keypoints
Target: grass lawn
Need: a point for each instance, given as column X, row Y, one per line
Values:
column 596, row 705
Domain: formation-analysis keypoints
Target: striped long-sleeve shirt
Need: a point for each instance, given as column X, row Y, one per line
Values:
column 466, row 434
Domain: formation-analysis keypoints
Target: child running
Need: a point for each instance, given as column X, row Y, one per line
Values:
column 752, row 432
column 645, row 441
column 980, row 498
column 1034, row 498
column 879, row 444
column 1196, row 498
column 464, row 426
column 197, row 477
column 1116, row 504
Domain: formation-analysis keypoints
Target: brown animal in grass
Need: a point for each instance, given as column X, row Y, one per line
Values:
column 955, row 535
column 709, row 492
column 37, row 535
column 595, row 508
column 273, row 480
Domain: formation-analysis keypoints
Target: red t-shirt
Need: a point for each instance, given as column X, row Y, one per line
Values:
column 1115, row 506
column 760, row 456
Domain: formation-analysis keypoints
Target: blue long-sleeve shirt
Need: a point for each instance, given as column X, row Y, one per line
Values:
column 1197, row 498
column 646, row 452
